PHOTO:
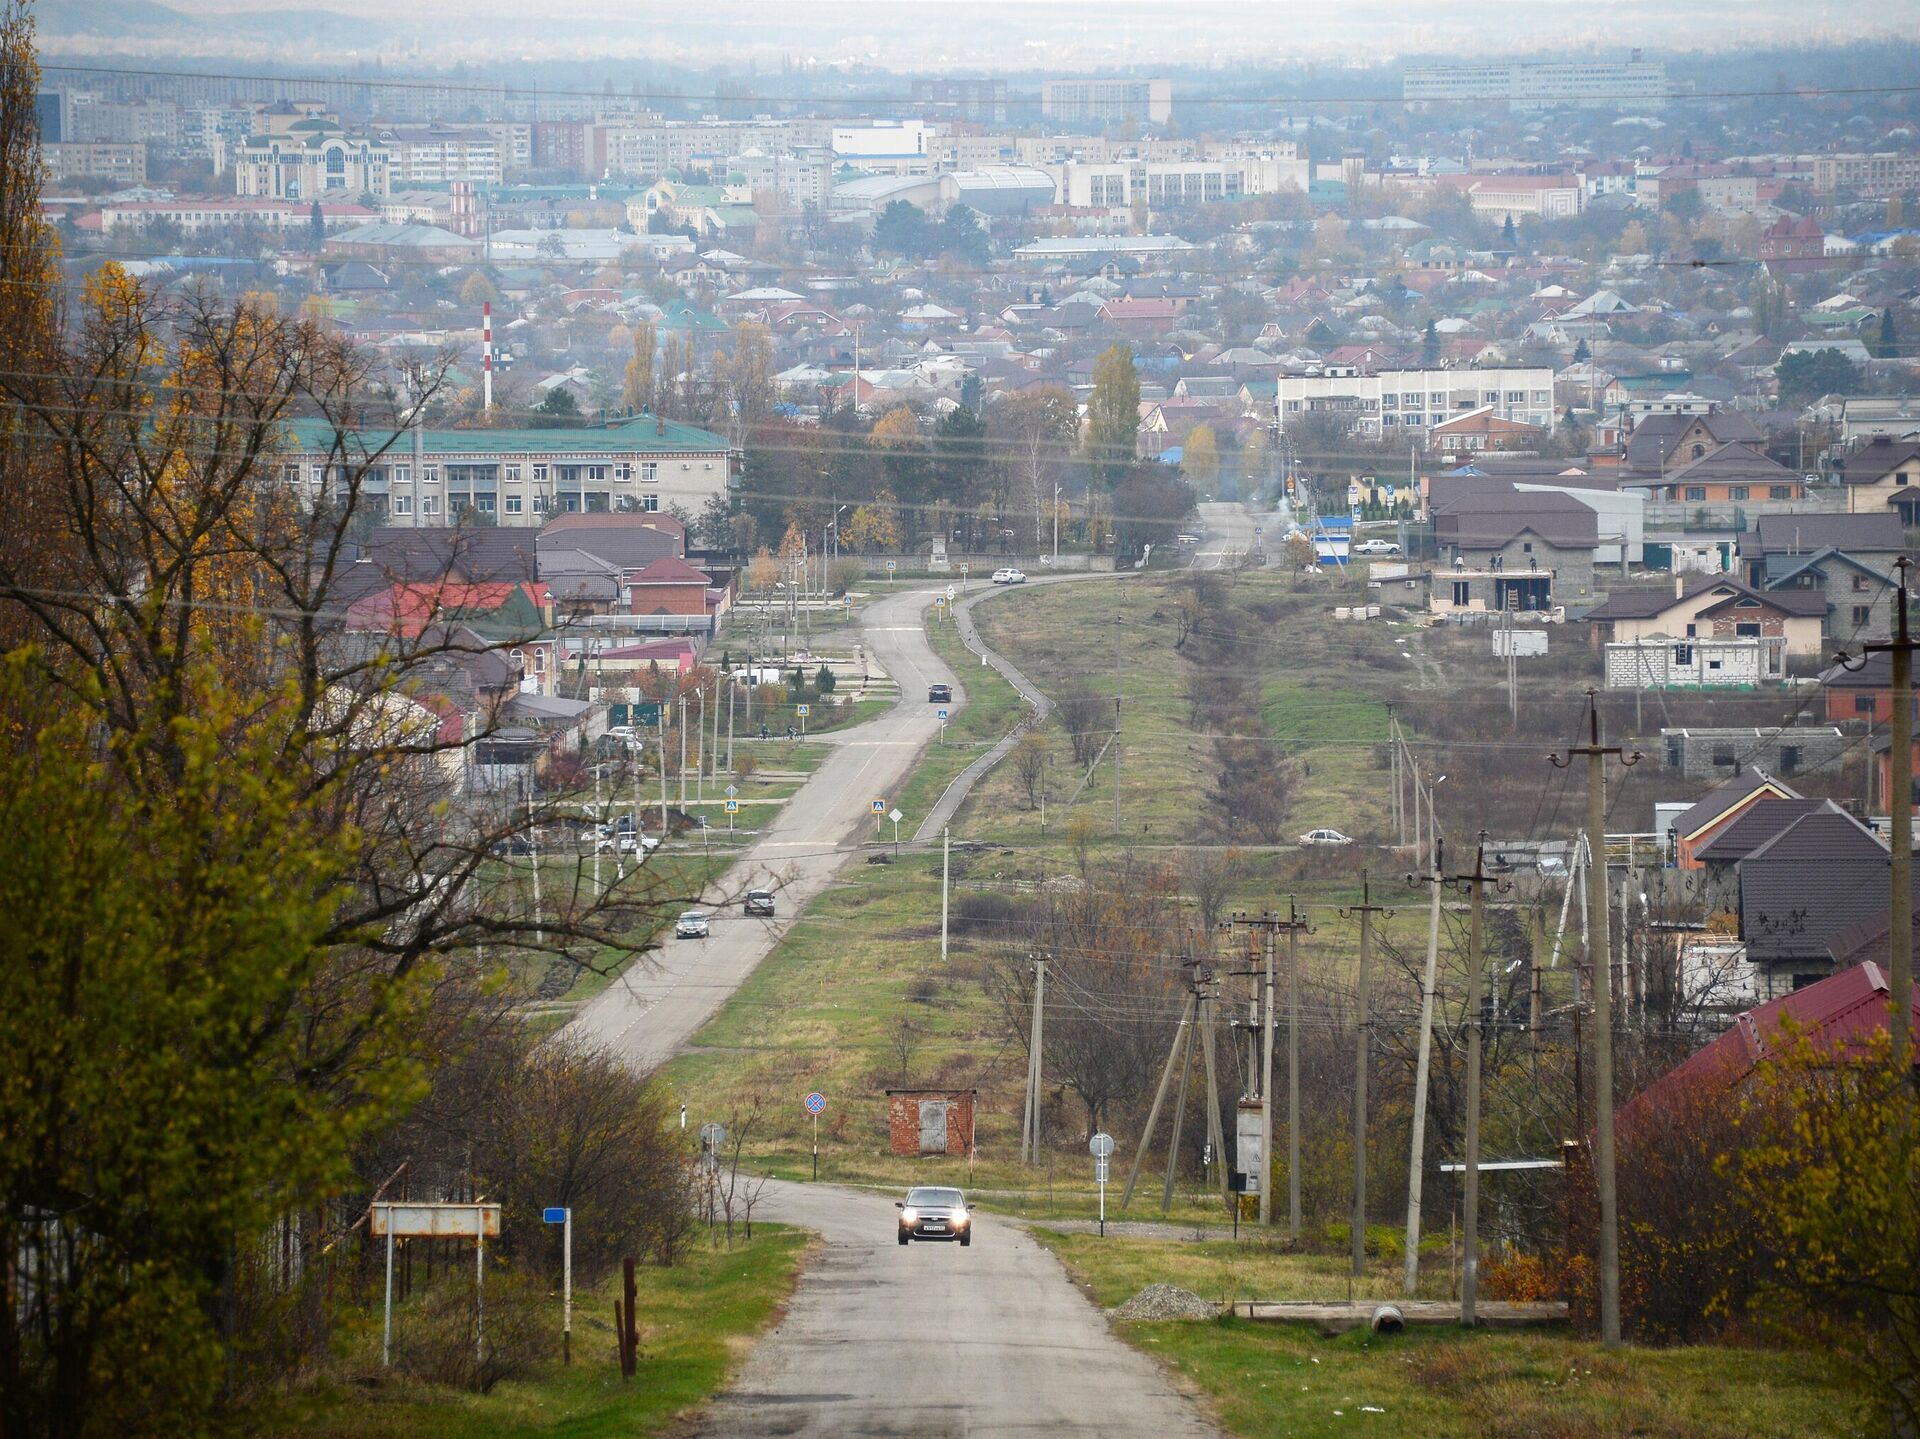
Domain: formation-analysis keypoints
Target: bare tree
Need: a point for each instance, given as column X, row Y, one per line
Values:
column 1087, row 720
column 1030, row 764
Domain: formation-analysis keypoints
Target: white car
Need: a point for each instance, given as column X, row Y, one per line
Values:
column 691, row 925
column 1009, row 577
column 1376, row 547
column 1325, row 836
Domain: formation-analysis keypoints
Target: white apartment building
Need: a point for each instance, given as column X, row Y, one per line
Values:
column 1878, row 176
column 1633, row 84
column 87, row 118
column 302, row 153
column 802, row 179
column 1408, row 403
column 1176, row 185
column 514, row 141
column 122, row 164
column 1111, row 101
column 440, row 155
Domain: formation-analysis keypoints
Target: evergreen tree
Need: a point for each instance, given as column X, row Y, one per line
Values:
column 1887, row 345
column 1430, row 345
column 316, row 228
column 1581, row 353
column 1509, row 236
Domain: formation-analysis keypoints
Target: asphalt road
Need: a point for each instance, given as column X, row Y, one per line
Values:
column 933, row 1341
column 652, row 1010
column 1227, row 533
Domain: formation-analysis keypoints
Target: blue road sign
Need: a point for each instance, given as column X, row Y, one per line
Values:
column 816, row 1102
column 878, row 806
column 941, row 715
column 554, row 1215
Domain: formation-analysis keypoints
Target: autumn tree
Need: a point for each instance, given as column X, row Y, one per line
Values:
column 1030, row 764
column 1113, row 415
column 1200, row 459
column 478, row 290
column 873, row 529
column 1035, row 430
column 638, row 391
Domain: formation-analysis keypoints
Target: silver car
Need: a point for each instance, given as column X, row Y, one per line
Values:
column 934, row 1212
column 691, row 925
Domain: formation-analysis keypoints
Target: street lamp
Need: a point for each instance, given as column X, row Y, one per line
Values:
column 1056, row 525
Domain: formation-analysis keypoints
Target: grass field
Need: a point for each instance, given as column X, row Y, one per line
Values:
column 696, row 1321
column 1286, row 1379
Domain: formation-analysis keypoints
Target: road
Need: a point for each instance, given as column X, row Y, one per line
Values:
column 932, row 1341
column 1228, row 532
column 646, row 1015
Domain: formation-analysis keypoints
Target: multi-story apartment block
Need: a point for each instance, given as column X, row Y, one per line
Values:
column 299, row 152
column 441, row 154
column 1876, row 176
column 198, row 216
column 1178, row 184
column 95, row 119
column 1408, row 403
column 514, row 141
column 517, row 477
column 983, row 100
column 1634, row 84
column 122, row 164
column 1106, row 101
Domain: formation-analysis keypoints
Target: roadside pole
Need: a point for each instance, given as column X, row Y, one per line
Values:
column 1601, row 974
column 563, row 1216
column 1470, row 1199
column 1417, row 1159
column 946, row 869
column 1266, row 1087
column 1366, row 909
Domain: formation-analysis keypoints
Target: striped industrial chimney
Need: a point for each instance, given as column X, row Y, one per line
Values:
column 486, row 355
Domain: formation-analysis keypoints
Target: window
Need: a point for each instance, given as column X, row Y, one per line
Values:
column 1901, row 478
column 430, row 474
column 650, row 503
column 597, row 472
column 649, row 472
column 1526, row 547
column 1861, row 614
column 1725, row 759
column 1389, row 402
column 484, row 504
column 513, row 474
column 1736, row 492
column 1713, row 664
column 403, row 474
column 1683, row 655
column 539, row 504
column 623, row 472
column 1789, row 758
column 1696, row 492
column 539, row 474
column 1863, row 704
column 1461, row 590
column 403, row 504
column 1698, row 452
column 513, row 504
column 1692, row 630
column 1747, row 629
column 430, row 505
column 1780, row 492
column 1860, row 583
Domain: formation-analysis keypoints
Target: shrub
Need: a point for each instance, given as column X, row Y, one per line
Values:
column 846, row 574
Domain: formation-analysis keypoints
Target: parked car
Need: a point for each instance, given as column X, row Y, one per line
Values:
column 1325, row 836
column 691, row 925
column 934, row 1213
column 939, row 694
column 1376, row 547
column 759, row 903
column 1009, row 576
column 631, row 843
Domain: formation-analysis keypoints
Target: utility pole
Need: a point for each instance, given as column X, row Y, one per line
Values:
column 1470, row 1264
column 946, row 871
column 1271, row 925
column 1366, row 910
column 1899, row 651
column 1296, row 922
column 1417, row 1161
column 1398, row 815
column 732, row 689
column 1030, row 1125
column 683, row 751
column 1116, row 724
column 1602, row 987
column 1180, row 1035
column 533, row 844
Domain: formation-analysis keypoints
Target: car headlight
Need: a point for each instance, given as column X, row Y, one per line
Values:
column 959, row 1218
column 909, row 1216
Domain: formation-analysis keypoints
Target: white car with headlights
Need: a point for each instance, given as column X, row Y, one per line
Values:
column 934, row 1212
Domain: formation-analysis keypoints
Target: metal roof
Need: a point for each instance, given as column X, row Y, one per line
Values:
column 639, row 436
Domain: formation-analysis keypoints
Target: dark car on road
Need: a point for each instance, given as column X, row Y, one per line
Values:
column 759, row 902
column 939, row 694
column 934, row 1213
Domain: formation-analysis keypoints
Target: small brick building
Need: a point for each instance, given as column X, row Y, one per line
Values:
column 930, row 1121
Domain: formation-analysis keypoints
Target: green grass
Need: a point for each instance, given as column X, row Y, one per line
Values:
column 1286, row 1379
column 696, row 1320
column 992, row 708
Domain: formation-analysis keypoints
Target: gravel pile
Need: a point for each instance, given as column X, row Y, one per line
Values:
column 1167, row 1301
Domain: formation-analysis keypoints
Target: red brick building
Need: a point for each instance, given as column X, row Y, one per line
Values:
column 931, row 1121
column 668, row 586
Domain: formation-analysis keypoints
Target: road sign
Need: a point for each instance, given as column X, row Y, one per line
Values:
column 949, row 591
column 1100, row 1146
column 733, row 806
column 732, row 790
column 803, row 710
column 563, row 1216
column 896, row 816
column 554, row 1214
column 816, row 1102
column 890, row 566
column 713, row 1135
column 941, row 715
column 878, row 806
column 1100, row 1171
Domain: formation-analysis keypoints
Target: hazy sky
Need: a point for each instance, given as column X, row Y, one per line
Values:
column 1034, row 34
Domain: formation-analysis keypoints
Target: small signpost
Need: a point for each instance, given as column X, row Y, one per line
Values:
column 733, row 808
column 398, row 1219
column 896, row 817
column 563, row 1216
column 816, row 1102
column 803, row 711
column 1101, row 1148
column 891, row 566
column 941, row 715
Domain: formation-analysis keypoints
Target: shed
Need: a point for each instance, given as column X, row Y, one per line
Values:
column 931, row 1121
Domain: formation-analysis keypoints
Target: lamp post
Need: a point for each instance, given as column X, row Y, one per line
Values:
column 1056, row 525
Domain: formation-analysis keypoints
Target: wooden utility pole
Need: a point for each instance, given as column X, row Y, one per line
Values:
column 1366, row 910
column 1269, row 925
column 1601, row 961
column 1476, row 884
column 1416, row 1161
column 1899, row 650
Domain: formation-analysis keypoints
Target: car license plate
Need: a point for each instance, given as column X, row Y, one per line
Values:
column 935, row 1224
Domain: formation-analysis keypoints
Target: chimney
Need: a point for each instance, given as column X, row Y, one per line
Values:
column 1679, row 586
column 660, row 425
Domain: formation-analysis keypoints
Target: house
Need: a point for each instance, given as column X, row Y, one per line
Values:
column 1708, row 663
column 1713, row 607
column 1720, row 809
column 1501, row 548
column 1661, row 443
column 1822, row 874
column 1777, row 542
column 1864, row 694
column 1882, row 747
column 1728, row 474
column 1793, row 244
column 1466, row 436
column 1883, row 473
column 1862, row 602
column 670, row 587
column 1706, row 752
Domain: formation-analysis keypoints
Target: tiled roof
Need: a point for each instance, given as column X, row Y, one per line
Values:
column 1809, row 533
column 1724, row 797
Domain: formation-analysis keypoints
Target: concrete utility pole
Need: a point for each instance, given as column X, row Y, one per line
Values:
column 1366, row 910
column 1899, row 650
column 1271, row 925
column 1417, row 1150
column 1296, row 922
column 1180, row 1035
column 1601, row 964
column 1476, row 884
column 1030, row 1125
column 946, row 873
